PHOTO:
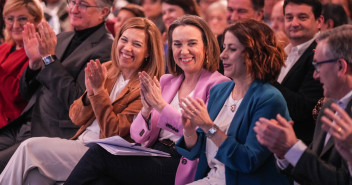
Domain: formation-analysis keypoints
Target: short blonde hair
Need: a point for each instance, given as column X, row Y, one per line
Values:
column 154, row 64
column 33, row 7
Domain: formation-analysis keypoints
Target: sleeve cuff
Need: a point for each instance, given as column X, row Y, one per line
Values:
column 295, row 152
column 282, row 163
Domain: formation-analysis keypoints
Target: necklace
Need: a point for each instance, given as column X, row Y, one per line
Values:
column 234, row 104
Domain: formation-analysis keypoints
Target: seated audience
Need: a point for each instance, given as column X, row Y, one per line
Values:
column 106, row 109
column 193, row 59
column 125, row 13
column 334, row 16
column 277, row 21
column 54, row 77
column 216, row 17
column 173, row 9
column 152, row 10
column 225, row 142
column 13, row 58
column 320, row 163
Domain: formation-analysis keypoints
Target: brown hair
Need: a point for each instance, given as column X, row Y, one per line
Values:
column 264, row 55
column 212, row 51
column 154, row 64
column 33, row 7
column 190, row 7
column 136, row 10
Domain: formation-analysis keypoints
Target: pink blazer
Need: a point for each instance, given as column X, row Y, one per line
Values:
column 171, row 119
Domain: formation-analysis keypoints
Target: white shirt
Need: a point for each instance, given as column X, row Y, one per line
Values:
column 216, row 175
column 92, row 132
column 293, row 54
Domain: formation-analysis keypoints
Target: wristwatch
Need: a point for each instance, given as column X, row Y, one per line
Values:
column 49, row 59
column 212, row 131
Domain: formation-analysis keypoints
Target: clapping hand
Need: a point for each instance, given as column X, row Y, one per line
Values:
column 276, row 134
column 151, row 92
column 196, row 111
column 95, row 77
column 31, row 45
column 47, row 39
column 340, row 128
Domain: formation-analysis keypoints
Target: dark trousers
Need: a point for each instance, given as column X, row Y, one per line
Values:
column 11, row 137
column 98, row 166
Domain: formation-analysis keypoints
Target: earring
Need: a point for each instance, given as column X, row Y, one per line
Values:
column 146, row 59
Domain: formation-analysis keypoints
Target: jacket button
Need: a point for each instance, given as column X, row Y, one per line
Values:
column 184, row 161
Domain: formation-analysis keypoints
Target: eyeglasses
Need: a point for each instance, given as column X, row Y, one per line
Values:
column 317, row 64
column 22, row 20
column 81, row 6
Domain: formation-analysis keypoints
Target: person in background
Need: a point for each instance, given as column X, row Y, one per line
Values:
column 334, row 16
column 268, row 9
column 215, row 16
column 56, row 13
column 152, row 10
column 303, row 21
column 320, row 163
column 239, row 9
column 277, row 21
column 106, row 109
column 54, row 77
column 13, row 58
column 225, row 142
column 125, row 13
column 193, row 59
column 204, row 5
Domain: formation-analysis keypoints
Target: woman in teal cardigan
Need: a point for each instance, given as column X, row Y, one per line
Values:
column 225, row 141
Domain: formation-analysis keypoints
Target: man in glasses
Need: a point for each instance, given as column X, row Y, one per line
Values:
column 55, row 75
column 303, row 21
column 320, row 163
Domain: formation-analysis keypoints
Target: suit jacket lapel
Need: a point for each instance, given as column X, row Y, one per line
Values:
column 217, row 106
column 301, row 61
column 319, row 135
column 60, row 49
column 171, row 88
column 242, row 109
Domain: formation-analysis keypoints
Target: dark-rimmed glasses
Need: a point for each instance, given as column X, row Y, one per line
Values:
column 317, row 64
column 81, row 6
column 22, row 20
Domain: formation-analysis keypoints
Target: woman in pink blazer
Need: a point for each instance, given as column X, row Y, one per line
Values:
column 193, row 61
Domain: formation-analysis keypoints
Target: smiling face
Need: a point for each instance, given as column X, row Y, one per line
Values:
column 327, row 74
column 171, row 13
column 88, row 18
column 300, row 23
column 15, row 29
column 188, row 48
column 131, row 49
column 232, row 57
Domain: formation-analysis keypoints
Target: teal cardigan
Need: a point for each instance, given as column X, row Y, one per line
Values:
column 246, row 161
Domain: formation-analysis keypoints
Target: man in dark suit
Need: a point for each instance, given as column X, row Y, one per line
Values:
column 303, row 20
column 55, row 75
column 320, row 163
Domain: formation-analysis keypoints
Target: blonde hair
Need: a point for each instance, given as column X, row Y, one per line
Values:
column 154, row 64
column 33, row 7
